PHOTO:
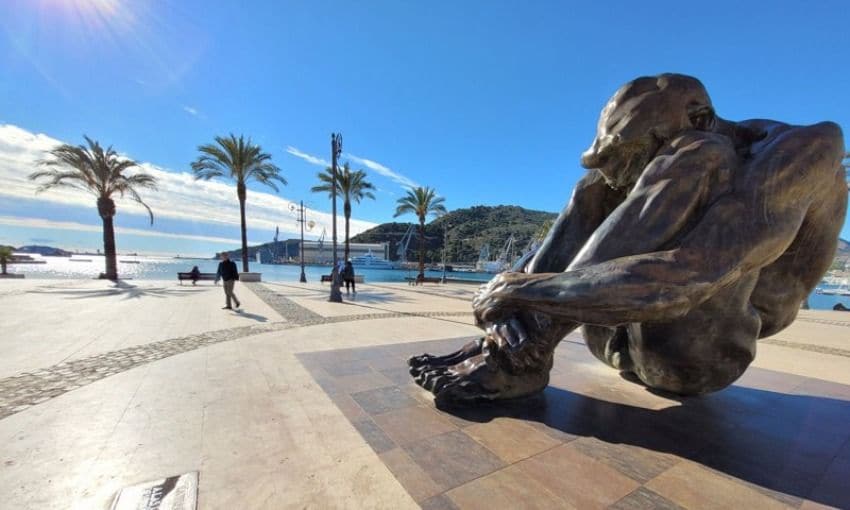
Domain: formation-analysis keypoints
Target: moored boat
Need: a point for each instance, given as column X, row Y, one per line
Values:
column 370, row 261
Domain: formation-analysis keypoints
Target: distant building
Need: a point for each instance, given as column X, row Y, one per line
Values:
column 316, row 252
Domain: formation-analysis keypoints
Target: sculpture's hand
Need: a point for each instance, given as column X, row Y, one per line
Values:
column 491, row 303
column 508, row 335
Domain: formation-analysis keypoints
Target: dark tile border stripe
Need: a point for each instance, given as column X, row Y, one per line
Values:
column 834, row 351
column 830, row 322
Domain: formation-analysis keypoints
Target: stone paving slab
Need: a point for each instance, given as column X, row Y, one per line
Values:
column 594, row 440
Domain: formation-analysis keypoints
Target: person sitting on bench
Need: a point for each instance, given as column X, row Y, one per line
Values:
column 348, row 277
column 196, row 273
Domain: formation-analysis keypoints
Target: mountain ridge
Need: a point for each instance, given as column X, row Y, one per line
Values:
column 466, row 231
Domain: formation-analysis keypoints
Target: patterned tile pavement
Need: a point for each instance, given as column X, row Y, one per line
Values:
column 31, row 388
column 595, row 440
column 27, row 389
column 302, row 316
column 592, row 440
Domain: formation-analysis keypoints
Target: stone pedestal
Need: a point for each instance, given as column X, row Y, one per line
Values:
column 250, row 277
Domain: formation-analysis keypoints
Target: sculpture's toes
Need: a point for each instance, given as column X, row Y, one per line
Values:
column 460, row 390
column 429, row 361
column 428, row 378
column 419, row 370
column 420, row 361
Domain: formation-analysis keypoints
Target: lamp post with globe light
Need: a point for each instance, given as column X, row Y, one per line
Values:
column 302, row 219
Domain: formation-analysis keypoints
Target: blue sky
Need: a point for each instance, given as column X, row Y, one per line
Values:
column 488, row 102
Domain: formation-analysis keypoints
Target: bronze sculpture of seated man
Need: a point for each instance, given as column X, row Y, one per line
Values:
column 689, row 238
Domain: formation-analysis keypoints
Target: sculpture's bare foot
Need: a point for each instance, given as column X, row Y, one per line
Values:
column 429, row 361
column 489, row 375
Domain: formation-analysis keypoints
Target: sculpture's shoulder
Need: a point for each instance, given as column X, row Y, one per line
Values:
column 794, row 163
column 762, row 134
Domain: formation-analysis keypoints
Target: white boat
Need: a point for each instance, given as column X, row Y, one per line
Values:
column 841, row 290
column 370, row 261
column 502, row 263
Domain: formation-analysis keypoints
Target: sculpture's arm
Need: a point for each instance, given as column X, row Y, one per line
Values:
column 748, row 228
column 665, row 199
column 592, row 200
column 658, row 207
column 662, row 285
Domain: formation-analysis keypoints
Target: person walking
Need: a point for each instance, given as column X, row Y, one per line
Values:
column 228, row 272
column 348, row 277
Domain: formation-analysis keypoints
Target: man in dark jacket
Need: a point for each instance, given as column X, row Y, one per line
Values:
column 228, row 272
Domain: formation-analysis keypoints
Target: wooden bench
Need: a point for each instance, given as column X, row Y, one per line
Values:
column 358, row 278
column 200, row 277
column 426, row 279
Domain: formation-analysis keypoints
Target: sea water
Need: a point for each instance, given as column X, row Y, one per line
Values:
column 166, row 268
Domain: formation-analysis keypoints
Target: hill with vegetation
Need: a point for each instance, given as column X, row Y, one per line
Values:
column 842, row 254
column 48, row 251
column 465, row 232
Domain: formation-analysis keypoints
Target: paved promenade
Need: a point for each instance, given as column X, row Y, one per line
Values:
column 294, row 402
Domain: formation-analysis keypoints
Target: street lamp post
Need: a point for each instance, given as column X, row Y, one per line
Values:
column 336, row 150
column 445, row 247
column 302, row 219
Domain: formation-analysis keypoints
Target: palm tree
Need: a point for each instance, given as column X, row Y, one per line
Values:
column 242, row 161
column 352, row 186
column 101, row 172
column 5, row 257
column 421, row 201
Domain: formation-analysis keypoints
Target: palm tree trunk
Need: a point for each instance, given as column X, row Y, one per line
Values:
column 421, row 248
column 109, row 248
column 3, row 266
column 106, row 209
column 347, row 213
column 240, row 190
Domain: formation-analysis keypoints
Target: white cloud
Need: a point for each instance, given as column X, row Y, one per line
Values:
column 191, row 111
column 313, row 160
column 179, row 196
column 15, row 221
column 385, row 171
column 368, row 163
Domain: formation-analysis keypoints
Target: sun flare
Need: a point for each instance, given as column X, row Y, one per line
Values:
column 86, row 14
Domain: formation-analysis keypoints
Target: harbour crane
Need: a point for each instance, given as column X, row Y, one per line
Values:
column 403, row 244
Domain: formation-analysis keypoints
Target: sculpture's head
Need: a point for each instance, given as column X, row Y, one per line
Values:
column 637, row 121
